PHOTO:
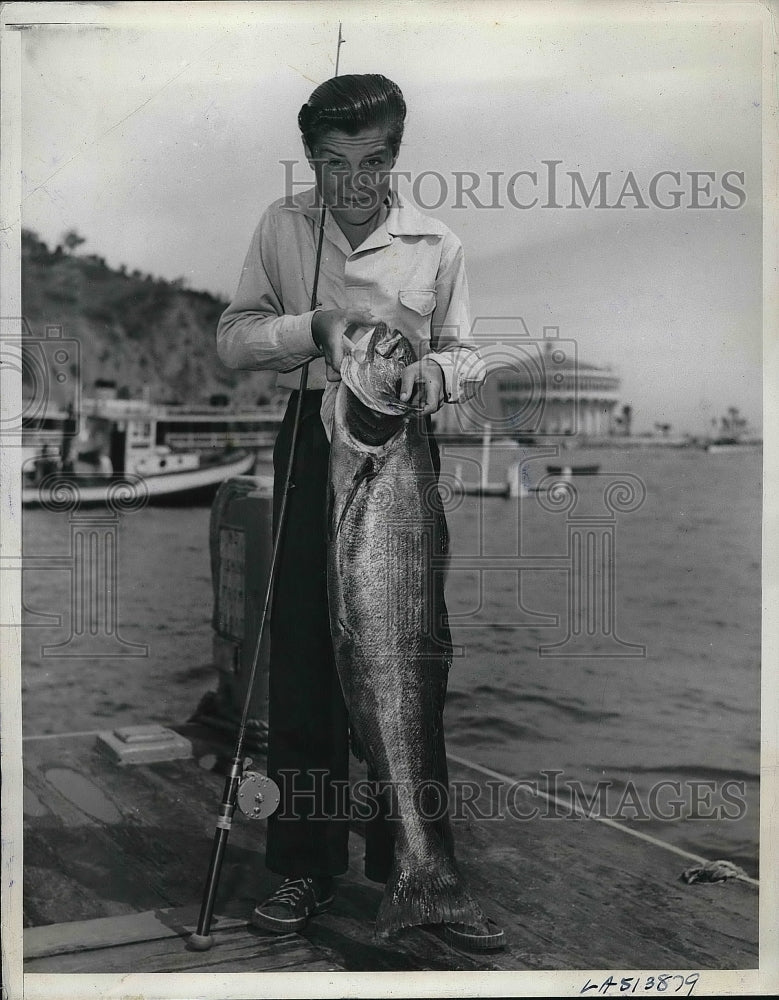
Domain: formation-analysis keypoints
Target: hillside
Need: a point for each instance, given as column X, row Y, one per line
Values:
column 144, row 333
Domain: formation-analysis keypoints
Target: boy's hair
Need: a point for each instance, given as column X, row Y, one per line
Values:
column 351, row 103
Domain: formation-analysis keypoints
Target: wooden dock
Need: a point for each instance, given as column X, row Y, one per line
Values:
column 115, row 858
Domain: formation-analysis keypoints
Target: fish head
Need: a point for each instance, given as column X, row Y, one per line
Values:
column 373, row 370
column 392, row 347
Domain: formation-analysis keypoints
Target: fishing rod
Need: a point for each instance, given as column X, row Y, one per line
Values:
column 240, row 782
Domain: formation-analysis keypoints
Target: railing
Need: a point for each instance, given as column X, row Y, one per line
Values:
column 219, row 439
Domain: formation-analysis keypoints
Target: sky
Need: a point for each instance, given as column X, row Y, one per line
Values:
column 159, row 134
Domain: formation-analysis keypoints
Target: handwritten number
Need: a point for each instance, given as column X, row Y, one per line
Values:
column 629, row 984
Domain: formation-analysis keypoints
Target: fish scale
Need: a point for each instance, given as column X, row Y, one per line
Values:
column 387, row 534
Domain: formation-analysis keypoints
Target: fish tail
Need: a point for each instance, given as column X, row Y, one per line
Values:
column 429, row 895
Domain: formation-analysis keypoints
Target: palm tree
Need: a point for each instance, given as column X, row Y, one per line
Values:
column 72, row 239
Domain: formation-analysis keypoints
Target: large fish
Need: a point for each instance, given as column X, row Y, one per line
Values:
column 387, row 547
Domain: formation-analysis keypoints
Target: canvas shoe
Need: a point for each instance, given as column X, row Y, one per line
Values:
column 288, row 908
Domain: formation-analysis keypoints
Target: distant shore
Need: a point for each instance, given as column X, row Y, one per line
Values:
column 576, row 442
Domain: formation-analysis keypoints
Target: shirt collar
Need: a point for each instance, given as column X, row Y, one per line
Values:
column 404, row 219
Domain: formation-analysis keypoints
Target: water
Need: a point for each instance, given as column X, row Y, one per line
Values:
column 687, row 569
column 687, row 588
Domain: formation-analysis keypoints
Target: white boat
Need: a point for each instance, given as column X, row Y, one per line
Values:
column 734, row 434
column 117, row 454
column 198, row 428
column 180, row 483
column 723, row 445
column 573, row 470
column 515, row 485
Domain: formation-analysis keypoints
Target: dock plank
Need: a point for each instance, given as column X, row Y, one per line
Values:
column 108, row 932
column 155, row 857
column 576, row 893
column 571, row 893
column 239, row 950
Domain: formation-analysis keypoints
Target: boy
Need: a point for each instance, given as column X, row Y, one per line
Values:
column 381, row 260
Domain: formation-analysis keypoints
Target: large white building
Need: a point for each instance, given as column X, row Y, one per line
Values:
column 538, row 389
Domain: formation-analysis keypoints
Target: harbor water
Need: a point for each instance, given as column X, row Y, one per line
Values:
column 647, row 706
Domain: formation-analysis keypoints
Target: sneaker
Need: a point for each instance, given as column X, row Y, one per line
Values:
column 289, row 907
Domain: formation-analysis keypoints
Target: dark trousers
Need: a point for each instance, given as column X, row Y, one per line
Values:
column 308, row 746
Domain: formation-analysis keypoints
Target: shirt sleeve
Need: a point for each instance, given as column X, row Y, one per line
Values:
column 254, row 332
column 463, row 369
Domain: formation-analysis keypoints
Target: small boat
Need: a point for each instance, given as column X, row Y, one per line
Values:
column 484, row 487
column 480, row 489
column 573, row 470
column 719, row 445
column 515, row 486
column 183, row 477
column 119, row 455
column 735, row 434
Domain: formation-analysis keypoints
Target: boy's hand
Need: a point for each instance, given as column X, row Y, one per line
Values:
column 329, row 330
column 427, row 378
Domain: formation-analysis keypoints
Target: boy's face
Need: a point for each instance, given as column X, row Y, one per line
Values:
column 353, row 173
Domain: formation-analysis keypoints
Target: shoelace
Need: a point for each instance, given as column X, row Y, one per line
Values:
column 291, row 891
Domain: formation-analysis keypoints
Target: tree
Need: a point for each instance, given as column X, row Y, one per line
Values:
column 72, row 239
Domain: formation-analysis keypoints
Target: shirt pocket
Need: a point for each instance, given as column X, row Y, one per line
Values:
column 419, row 300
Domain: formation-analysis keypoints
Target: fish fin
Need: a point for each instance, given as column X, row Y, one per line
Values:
column 428, row 895
column 366, row 472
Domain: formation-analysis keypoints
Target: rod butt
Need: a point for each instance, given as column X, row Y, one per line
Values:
column 200, row 942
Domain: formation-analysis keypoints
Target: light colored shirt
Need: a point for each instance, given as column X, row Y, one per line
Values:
column 409, row 272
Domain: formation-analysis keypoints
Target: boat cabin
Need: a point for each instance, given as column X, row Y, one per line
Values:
column 130, row 444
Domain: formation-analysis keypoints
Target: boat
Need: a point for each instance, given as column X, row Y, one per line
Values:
column 162, row 474
column 181, row 427
column 194, row 427
column 132, row 448
column 573, row 470
column 482, row 489
column 728, row 444
column 734, row 434
column 515, row 486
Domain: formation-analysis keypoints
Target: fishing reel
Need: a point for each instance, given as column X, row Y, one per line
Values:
column 258, row 795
